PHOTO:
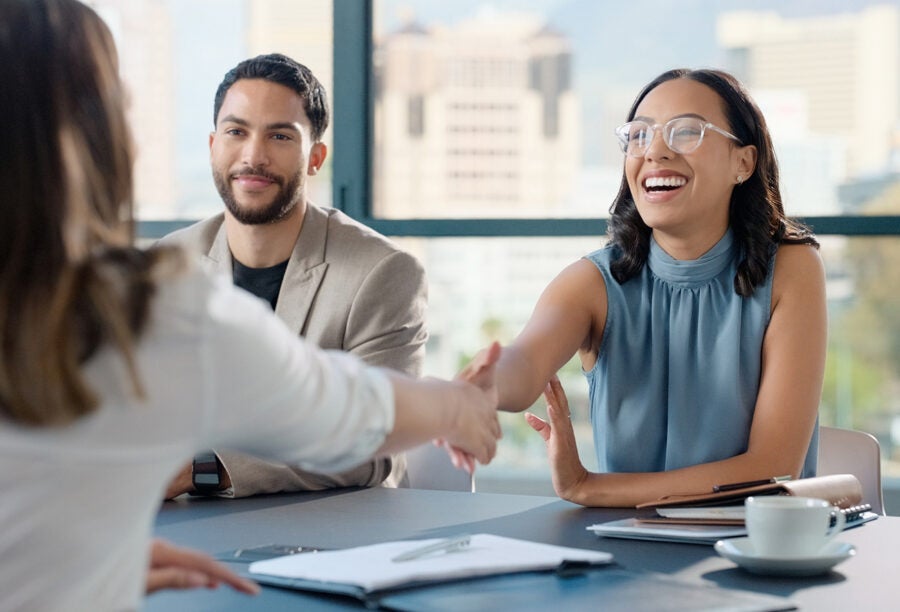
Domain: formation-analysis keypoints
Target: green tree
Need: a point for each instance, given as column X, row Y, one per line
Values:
column 864, row 348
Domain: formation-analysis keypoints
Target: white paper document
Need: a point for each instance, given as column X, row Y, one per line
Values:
column 371, row 567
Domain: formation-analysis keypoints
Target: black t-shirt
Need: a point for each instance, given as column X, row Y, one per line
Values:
column 264, row 283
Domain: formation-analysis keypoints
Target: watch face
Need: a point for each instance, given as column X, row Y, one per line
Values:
column 206, row 472
column 206, row 480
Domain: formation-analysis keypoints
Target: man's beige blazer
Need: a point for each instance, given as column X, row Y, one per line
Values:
column 346, row 287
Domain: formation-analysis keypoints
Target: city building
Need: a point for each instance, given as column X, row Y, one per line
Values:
column 847, row 65
column 146, row 63
column 488, row 116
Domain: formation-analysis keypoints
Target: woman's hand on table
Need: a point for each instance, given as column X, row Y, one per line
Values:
column 173, row 567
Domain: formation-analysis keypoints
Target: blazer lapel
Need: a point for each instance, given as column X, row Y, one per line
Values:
column 218, row 259
column 305, row 270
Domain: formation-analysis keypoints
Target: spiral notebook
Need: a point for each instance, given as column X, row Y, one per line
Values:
column 701, row 525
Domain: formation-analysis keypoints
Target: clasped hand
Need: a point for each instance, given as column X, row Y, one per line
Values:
column 480, row 372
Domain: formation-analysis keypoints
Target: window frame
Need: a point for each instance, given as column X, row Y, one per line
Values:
column 353, row 110
column 353, row 140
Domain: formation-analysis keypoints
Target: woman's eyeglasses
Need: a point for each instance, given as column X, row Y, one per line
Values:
column 682, row 135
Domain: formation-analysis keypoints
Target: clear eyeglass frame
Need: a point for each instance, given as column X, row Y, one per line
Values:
column 681, row 134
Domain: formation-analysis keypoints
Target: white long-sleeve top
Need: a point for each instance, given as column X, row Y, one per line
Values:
column 218, row 369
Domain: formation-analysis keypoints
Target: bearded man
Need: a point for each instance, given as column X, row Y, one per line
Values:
column 330, row 279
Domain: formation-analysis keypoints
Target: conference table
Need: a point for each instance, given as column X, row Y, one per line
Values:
column 354, row 517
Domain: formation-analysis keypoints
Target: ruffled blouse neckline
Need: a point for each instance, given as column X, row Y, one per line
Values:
column 705, row 268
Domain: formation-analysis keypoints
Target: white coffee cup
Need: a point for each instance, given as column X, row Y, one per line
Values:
column 787, row 526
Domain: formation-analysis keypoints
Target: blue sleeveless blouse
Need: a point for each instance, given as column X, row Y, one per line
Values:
column 678, row 369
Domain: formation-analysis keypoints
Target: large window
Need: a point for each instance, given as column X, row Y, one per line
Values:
column 507, row 109
column 497, row 118
column 173, row 54
column 479, row 134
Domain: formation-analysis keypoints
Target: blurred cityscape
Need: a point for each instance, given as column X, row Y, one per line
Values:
column 493, row 113
column 507, row 109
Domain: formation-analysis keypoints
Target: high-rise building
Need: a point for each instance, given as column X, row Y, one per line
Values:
column 304, row 32
column 847, row 66
column 475, row 119
column 300, row 30
column 146, row 63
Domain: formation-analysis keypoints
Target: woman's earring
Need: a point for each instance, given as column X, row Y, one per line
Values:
column 740, row 179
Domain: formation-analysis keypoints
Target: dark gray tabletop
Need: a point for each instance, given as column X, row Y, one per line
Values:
column 351, row 517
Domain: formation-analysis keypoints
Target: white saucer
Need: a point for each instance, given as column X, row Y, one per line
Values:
column 740, row 550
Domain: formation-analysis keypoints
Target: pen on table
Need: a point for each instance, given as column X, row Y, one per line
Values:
column 750, row 483
column 447, row 545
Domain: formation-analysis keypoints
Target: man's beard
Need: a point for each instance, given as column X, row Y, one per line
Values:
column 281, row 205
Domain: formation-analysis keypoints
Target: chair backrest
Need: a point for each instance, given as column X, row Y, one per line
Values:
column 847, row 451
column 429, row 467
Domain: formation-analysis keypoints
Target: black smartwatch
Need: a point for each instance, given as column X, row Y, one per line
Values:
column 207, row 473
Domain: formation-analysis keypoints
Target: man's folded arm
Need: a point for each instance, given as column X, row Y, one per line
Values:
column 257, row 476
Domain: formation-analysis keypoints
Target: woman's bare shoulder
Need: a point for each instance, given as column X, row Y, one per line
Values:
column 580, row 280
column 797, row 260
column 798, row 268
column 798, row 256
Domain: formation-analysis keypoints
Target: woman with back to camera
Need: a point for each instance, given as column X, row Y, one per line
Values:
column 117, row 364
column 701, row 326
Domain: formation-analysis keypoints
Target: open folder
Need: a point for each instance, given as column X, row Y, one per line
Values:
column 841, row 490
column 367, row 569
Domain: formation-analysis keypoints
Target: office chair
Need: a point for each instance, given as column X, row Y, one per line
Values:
column 847, row 451
column 429, row 467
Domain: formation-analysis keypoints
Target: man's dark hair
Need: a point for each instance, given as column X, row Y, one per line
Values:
column 281, row 69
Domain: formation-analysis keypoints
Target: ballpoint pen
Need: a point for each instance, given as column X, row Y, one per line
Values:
column 750, row 483
column 448, row 545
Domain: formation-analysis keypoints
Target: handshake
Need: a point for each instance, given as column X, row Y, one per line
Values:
column 459, row 415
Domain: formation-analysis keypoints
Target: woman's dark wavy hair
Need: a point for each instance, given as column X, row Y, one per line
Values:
column 756, row 212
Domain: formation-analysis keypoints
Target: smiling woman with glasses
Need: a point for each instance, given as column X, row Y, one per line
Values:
column 700, row 326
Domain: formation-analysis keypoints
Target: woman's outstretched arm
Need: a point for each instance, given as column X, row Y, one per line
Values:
column 793, row 365
column 568, row 318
